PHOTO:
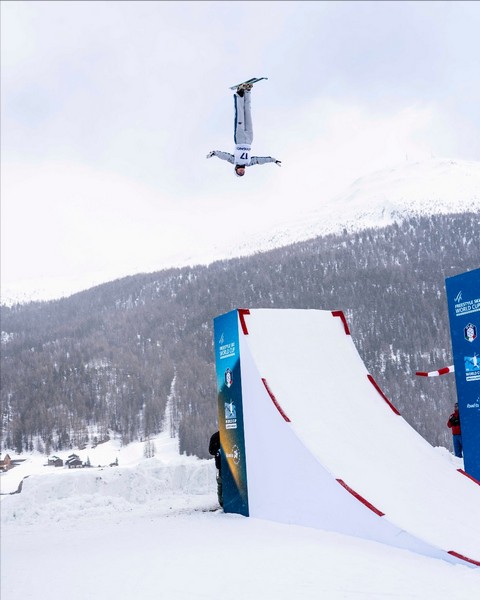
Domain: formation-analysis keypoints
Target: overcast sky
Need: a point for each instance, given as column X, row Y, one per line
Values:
column 109, row 109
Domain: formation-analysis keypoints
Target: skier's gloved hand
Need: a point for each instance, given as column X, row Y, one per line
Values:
column 210, row 154
column 278, row 163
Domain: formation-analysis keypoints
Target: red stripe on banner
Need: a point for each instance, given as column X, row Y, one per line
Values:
column 421, row 374
column 377, row 387
column 469, row 476
column 465, row 558
column 361, row 498
column 275, row 401
column 339, row 313
column 242, row 312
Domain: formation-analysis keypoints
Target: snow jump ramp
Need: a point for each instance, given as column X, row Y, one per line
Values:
column 309, row 438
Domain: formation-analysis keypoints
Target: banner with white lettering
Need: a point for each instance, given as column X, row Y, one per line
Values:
column 463, row 295
column 230, row 413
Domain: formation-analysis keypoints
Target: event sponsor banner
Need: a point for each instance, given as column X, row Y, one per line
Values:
column 230, row 413
column 463, row 295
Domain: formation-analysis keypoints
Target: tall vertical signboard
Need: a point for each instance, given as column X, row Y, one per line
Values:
column 463, row 295
column 230, row 413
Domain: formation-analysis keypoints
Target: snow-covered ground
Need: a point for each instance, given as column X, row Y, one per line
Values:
column 148, row 529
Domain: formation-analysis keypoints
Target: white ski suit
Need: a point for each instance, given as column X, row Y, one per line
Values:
column 243, row 136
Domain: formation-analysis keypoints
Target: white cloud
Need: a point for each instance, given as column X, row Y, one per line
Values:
column 109, row 108
column 331, row 144
column 63, row 219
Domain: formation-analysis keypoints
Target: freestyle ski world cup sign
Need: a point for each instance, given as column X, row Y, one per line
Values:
column 230, row 414
column 463, row 295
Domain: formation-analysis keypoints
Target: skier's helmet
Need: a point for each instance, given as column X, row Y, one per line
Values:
column 239, row 170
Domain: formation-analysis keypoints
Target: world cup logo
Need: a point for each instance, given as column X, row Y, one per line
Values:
column 470, row 332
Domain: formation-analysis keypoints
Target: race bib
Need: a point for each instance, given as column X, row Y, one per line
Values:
column 242, row 154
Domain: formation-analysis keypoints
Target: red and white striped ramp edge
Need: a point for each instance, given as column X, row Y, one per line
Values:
column 442, row 371
column 325, row 448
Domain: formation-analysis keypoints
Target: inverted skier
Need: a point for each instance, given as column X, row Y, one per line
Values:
column 243, row 134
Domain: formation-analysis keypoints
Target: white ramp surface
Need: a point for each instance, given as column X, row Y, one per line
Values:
column 325, row 448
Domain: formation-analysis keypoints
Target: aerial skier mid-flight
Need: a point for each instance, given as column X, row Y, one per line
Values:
column 243, row 134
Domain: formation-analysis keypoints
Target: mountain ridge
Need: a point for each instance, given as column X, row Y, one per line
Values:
column 434, row 186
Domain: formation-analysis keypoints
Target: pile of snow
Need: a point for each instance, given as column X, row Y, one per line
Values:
column 72, row 494
column 123, row 481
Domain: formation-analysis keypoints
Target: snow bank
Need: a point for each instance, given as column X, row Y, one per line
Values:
column 50, row 494
column 73, row 494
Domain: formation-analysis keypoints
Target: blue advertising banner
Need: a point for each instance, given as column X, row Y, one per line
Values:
column 230, row 413
column 463, row 296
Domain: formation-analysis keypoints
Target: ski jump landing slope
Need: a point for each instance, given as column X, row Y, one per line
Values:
column 323, row 447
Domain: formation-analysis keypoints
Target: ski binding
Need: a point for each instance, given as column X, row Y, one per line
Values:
column 249, row 81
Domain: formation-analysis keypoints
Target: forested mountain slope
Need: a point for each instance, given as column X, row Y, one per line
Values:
column 109, row 358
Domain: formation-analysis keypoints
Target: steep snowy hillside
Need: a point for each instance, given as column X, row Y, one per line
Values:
column 436, row 186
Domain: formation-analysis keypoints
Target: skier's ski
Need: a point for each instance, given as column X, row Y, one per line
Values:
column 249, row 81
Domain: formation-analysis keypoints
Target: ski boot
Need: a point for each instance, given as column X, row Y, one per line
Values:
column 244, row 87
